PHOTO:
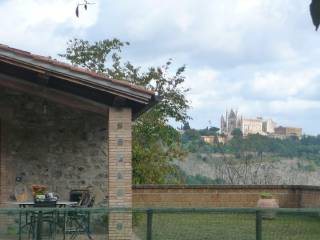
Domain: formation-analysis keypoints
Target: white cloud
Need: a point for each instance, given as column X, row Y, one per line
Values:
column 285, row 84
column 207, row 86
column 293, row 105
column 260, row 56
column 230, row 26
column 43, row 26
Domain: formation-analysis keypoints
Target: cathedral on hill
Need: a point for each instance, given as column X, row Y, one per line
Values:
column 249, row 126
column 229, row 122
column 267, row 127
column 233, row 120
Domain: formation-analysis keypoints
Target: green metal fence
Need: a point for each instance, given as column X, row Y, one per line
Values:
column 242, row 224
column 163, row 224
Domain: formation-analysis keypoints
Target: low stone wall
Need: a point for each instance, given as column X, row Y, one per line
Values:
column 213, row 196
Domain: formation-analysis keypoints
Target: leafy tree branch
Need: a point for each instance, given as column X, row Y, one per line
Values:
column 155, row 142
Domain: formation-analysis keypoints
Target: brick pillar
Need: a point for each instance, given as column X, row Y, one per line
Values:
column 120, row 172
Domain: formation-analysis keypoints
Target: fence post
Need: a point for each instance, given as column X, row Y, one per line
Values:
column 149, row 224
column 258, row 225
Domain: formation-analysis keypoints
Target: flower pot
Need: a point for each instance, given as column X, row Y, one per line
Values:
column 38, row 190
column 268, row 203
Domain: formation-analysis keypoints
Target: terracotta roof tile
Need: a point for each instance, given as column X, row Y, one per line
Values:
column 54, row 62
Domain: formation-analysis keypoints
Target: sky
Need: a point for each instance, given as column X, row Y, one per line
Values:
column 261, row 57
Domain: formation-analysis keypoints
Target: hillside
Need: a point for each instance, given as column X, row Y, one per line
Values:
column 206, row 168
column 255, row 159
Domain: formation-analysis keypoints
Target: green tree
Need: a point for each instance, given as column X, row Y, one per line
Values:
column 236, row 133
column 155, row 142
column 186, row 126
column 212, row 131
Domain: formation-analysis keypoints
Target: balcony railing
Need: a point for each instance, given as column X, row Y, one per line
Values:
column 162, row 224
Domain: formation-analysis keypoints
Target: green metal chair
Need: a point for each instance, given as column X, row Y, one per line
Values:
column 78, row 223
column 38, row 219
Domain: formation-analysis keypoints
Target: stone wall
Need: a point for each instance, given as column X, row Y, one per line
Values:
column 46, row 143
column 213, row 196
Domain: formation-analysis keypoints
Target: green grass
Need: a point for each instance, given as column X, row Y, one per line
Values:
column 229, row 227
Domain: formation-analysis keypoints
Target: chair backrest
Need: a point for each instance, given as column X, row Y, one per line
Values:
column 84, row 198
column 77, row 195
column 87, row 200
column 90, row 202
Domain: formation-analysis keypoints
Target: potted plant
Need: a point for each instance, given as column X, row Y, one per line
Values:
column 268, row 201
column 38, row 192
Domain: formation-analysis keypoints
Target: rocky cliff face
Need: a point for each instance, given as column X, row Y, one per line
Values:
column 269, row 170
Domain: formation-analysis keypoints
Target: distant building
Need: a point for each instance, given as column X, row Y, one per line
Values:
column 214, row 139
column 261, row 126
column 208, row 139
column 288, row 132
column 268, row 126
column 252, row 126
column 229, row 122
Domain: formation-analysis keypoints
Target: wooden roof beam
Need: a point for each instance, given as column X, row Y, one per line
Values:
column 67, row 99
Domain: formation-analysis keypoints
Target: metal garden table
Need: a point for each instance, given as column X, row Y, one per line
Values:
column 39, row 222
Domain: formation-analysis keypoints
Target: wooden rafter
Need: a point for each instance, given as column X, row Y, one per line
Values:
column 52, row 95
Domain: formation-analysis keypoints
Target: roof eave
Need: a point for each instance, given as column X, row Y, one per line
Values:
column 154, row 101
column 81, row 77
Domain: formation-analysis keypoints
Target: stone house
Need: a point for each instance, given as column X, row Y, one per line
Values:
column 67, row 128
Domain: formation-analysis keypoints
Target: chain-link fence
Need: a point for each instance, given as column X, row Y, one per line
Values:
column 162, row 224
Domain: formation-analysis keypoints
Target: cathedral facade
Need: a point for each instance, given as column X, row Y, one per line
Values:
column 229, row 122
column 232, row 120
